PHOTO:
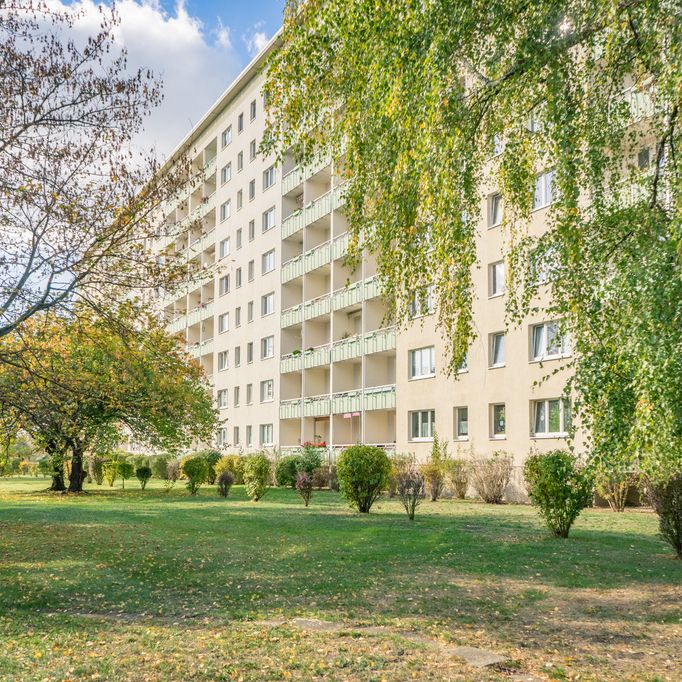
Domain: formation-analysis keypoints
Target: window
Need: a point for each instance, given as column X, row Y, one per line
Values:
column 547, row 342
column 239, row 238
column 253, row 150
column 249, row 311
column 249, row 352
column 222, row 437
column 240, row 123
column 225, row 210
column 461, row 423
column 235, row 401
column 226, row 137
column 240, row 161
column 267, row 347
column 251, row 270
column 238, row 317
column 551, row 417
column 496, row 279
column 422, row 304
column 238, row 278
column 464, row 367
column 223, row 323
column 252, row 190
column 226, row 173
column 235, row 431
column 222, row 398
column 266, row 434
column 498, row 144
column 249, row 436
column 644, row 159
column 240, row 199
column 422, row 362
column 544, row 190
column 422, row 424
column 249, row 394
column 267, row 304
column 223, row 359
column 499, row 421
column 268, row 261
column 252, row 230
column 497, row 350
column 225, row 248
column 494, row 210
column 269, row 219
column 252, row 109
column 224, row 285
column 269, row 177
column 267, row 391
column 237, row 356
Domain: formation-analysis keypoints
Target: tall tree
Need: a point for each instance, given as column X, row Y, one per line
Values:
column 78, row 379
column 429, row 106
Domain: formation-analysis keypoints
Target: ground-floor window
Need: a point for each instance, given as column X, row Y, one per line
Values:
column 551, row 417
column 422, row 424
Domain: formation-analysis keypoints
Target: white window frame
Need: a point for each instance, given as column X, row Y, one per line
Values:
column 267, row 304
column 547, row 339
column 269, row 177
column 496, row 279
column 223, row 360
column 226, row 137
column 267, row 347
column 269, row 217
column 498, row 343
column 268, row 261
column 495, row 209
column 458, row 420
column 225, row 210
column 544, row 192
column 222, row 398
column 249, row 435
column 224, row 248
column 252, row 189
column 421, row 363
column 540, row 415
column 266, row 435
column 252, row 110
column 267, row 390
column 494, row 433
column 224, row 285
column 223, row 323
column 226, row 173
column 430, row 424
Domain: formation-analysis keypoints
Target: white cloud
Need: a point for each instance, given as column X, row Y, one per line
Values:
column 257, row 40
column 195, row 64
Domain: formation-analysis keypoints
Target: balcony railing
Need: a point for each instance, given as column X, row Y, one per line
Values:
column 340, row 246
column 200, row 314
column 348, row 401
column 380, row 340
column 372, row 288
column 291, row 362
column 177, row 325
column 202, row 243
column 292, row 268
column 317, row 306
column 338, row 200
column 317, row 406
column 292, row 179
column 380, row 397
column 346, row 349
column 293, row 223
column 290, row 409
column 317, row 257
column 291, row 316
column 198, row 350
column 314, row 357
column 347, row 296
column 320, row 162
column 207, row 204
column 318, row 208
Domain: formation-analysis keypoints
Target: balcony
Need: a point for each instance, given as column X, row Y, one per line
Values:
column 290, row 409
column 200, row 314
column 292, row 179
column 318, row 208
column 292, row 269
column 210, row 167
column 348, row 296
column 338, row 201
column 380, row 340
column 340, row 246
column 320, row 162
column 291, row 316
column 202, row 243
column 348, row 401
column 317, row 307
column 200, row 349
column 207, row 204
column 314, row 357
column 346, row 349
column 380, row 398
column 316, row 406
column 291, row 362
column 293, row 223
column 317, row 257
column 372, row 288
column 177, row 325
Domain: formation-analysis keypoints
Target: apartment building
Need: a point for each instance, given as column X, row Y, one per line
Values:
column 296, row 344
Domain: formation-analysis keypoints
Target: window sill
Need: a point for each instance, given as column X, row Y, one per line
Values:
column 492, row 227
column 549, row 358
column 421, row 378
column 500, row 295
column 548, row 436
column 501, row 366
column 421, row 440
column 461, row 439
column 500, row 437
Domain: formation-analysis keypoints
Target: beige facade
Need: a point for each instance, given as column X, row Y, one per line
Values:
column 296, row 346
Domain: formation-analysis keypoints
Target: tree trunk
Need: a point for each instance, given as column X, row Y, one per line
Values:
column 78, row 472
column 57, row 462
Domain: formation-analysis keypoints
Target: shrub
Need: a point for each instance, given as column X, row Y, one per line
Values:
column 212, row 457
column 560, row 487
column 321, row 477
column 613, row 484
column 666, row 500
column 97, row 468
column 363, row 473
column 411, row 489
column 286, row 470
column 196, row 471
column 310, row 458
column 458, row 473
column 334, row 479
column 398, row 464
column 225, row 480
column 233, row 464
column 490, row 477
column 172, row 473
column 143, row 473
column 125, row 471
column 434, row 470
column 44, row 467
column 256, row 475
column 110, row 470
column 304, row 485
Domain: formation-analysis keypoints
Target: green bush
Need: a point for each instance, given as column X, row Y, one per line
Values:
column 435, row 469
column 234, row 464
column 125, row 471
column 143, row 473
column 225, row 479
column 310, row 459
column 256, row 475
column 399, row 463
column 458, row 472
column 97, row 468
column 286, row 470
column 159, row 465
column 560, row 487
column 363, row 473
column 196, row 471
column 212, row 457
column 666, row 500
column 321, row 477
column 110, row 470
column 613, row 483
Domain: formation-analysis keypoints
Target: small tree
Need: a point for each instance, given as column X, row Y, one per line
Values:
column 256, row 475
column 310, row 458
column 613, row 483
column 490, row 477
column 196, row 470
column 434, row 470
column 363, row 473
column 666, row 500
column 458, row 473
column 212, row 457
column 143, row 473
column 286, row 469
column 172, row 474
column 560, row 487
column 233, row 463
column 110, row 470
column 126, row 470
column 225, row 480
column 399, row 463
column 304, row 486
column 411, row 489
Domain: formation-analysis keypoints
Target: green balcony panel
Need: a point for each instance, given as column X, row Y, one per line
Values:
column 380, row 341
column 338, row 200
column 198, row 350
column 317, row 257
column 317, row 406
column 372, row 288
column 318, row 208
column 292, row 316
column 346, row 349
column 293, row 223
column 340, row 246
column 348, row 296
column 380, row 398
column 317, row 307
column 291, row 363
column 292, row 179
column 350, row 401
column 292, row 269
column 316, row 357
column 290, row 409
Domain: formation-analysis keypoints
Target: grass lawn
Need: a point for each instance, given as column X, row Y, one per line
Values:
column 132, row 585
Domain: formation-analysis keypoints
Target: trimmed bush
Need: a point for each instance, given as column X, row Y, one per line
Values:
column 363, row 473
column 234, row 464
column 458, row 473
column 310, row 459
column 225, row 479
column 434, row 470
column 559, row 487
column 256, row 475
column 97, row 468
column 286, row 470
column 490, row 477
column 411, row 489
column 666, row 500
column 196, row 471
column 126, row 470
column 110, row 471
column 212, row 457
column 304, row 486
column 143, row 473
